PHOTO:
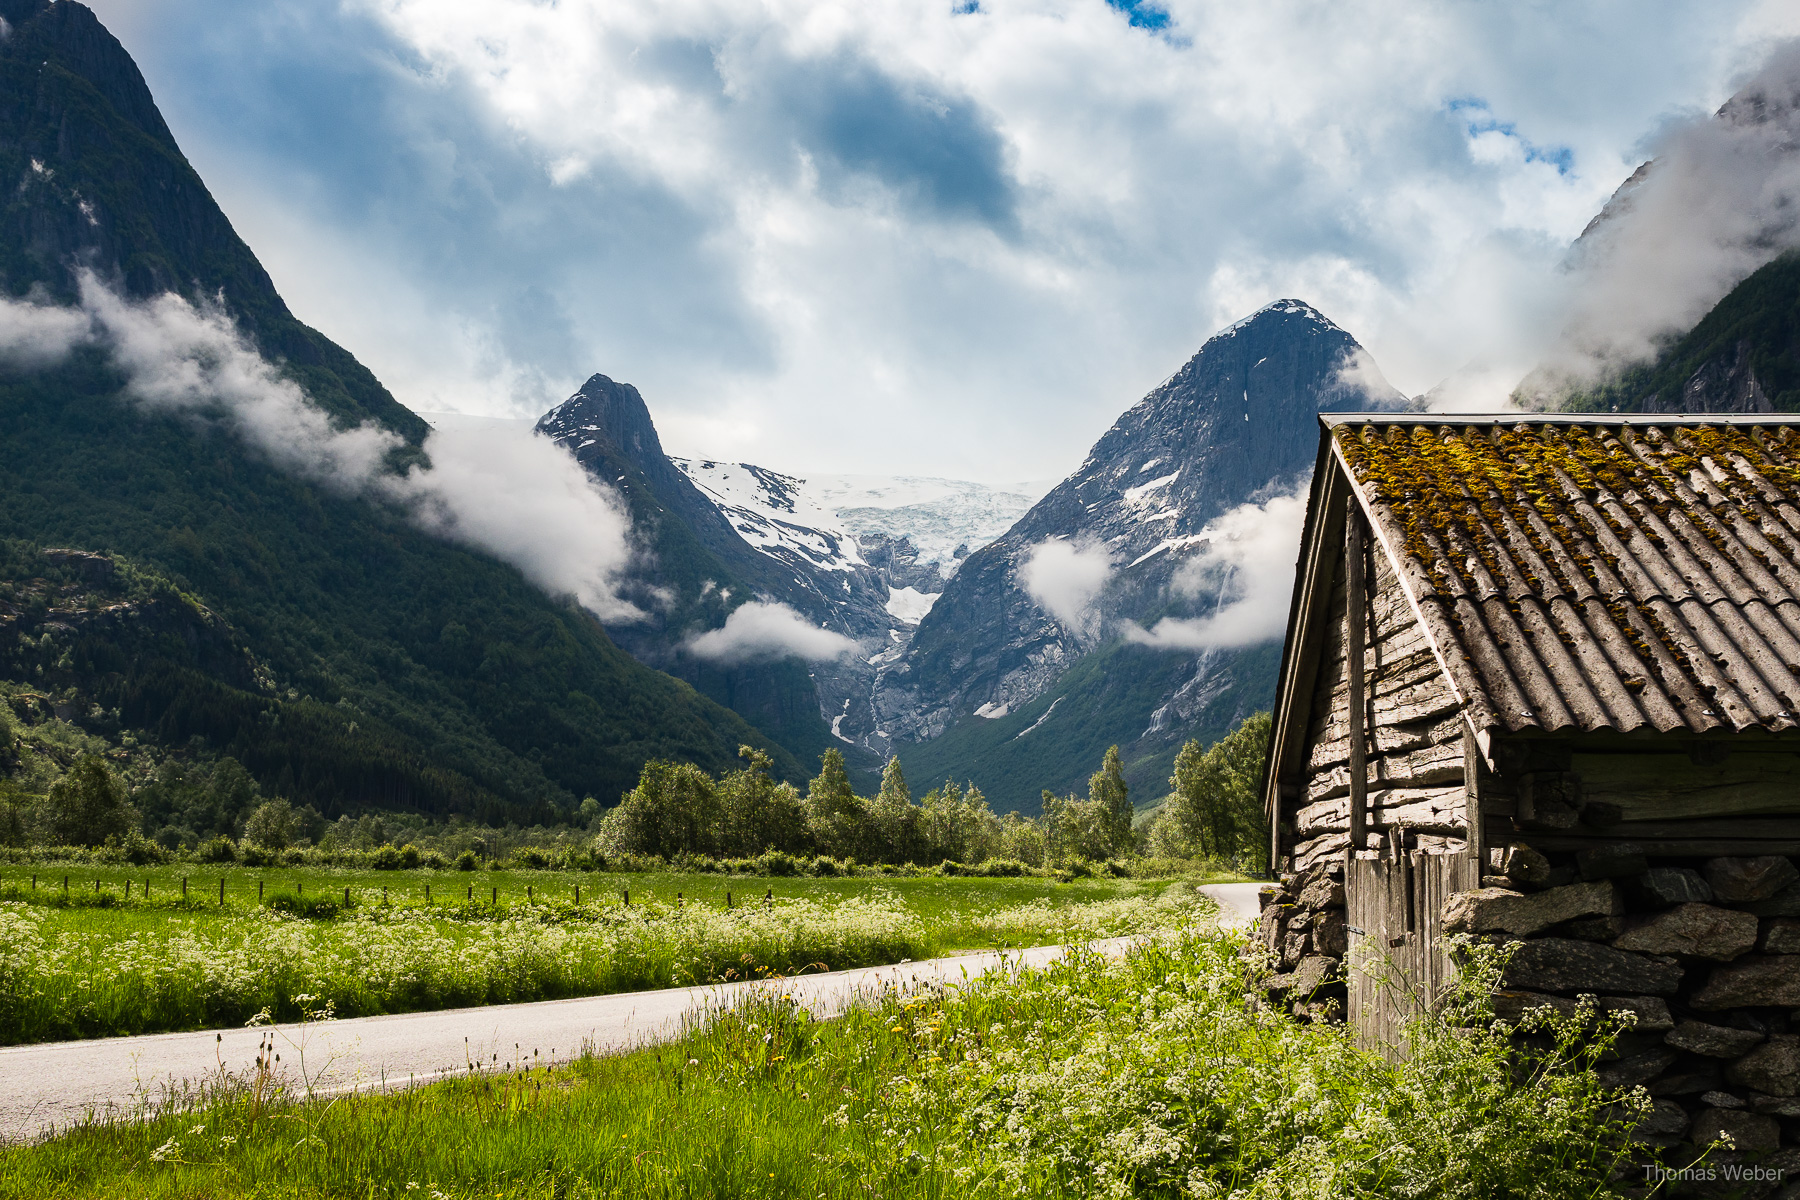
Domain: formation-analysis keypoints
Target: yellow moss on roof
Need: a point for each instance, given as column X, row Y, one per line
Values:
column 1460, row 500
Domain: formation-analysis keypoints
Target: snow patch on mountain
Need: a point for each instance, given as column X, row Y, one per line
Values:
column 909, row 605
column 775, row 513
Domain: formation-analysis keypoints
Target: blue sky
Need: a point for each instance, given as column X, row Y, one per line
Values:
column 933, row 238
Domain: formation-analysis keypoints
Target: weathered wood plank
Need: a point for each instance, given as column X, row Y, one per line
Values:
column 1327, row 816
column 1330, row 845
column 1425, row 767
column 1355, row 615
column 1672, row 786
column 1391, row 739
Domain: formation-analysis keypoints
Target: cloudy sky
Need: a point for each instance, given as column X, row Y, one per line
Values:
column 941, row 238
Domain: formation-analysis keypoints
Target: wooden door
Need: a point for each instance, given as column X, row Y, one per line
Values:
column 1396, row 964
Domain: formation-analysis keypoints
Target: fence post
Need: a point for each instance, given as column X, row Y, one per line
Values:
column 727, row 899
column 66, row 887
column 221, row 889
column 578, row 895
column 259, row 891
column 183, row 885
column 495, row 899
column 346, row 897
column 428, row 893
column 627, row 897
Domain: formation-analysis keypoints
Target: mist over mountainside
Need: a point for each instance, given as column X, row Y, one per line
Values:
column 1139, row 602
column 400, row 640
column 1132, row 603
column 1718, row 202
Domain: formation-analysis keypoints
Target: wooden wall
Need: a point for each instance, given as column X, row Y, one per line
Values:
column 1415, row 735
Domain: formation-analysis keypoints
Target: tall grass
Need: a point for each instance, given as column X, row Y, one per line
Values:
column 1155, row 1075
column 200, row 969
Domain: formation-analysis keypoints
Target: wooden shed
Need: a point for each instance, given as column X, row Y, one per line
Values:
column 1541, row 681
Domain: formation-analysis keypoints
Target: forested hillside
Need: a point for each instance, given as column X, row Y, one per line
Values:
column 370, row 662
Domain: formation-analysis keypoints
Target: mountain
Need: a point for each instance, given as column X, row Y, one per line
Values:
column 1682, row 238
column 704, row 561
column 721, row 534
column 347, row 657
column 997, row 687
column 1743, row 356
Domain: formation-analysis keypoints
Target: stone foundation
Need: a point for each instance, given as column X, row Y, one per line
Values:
column 1705, row 952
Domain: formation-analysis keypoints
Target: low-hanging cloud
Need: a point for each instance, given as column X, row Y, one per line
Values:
column 516, row 496
column 1247, row 567
column 1719, row 198
column 1066, row 579
column 761, row 630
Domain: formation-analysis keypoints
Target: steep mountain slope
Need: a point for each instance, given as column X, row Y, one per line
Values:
column 720, row 534
column 1235, row 424
column 1743, row 356
column 700, row 566
column 391, row 667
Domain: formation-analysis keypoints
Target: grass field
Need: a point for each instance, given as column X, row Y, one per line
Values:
column 89, row 962
column 1157, row 1075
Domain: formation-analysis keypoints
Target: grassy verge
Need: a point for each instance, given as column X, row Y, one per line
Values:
column 80, row 968
column 1155, row 1075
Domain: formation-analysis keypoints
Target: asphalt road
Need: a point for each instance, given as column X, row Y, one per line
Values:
column 48, row 1087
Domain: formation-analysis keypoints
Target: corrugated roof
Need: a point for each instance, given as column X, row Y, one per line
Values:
column 1583, row 577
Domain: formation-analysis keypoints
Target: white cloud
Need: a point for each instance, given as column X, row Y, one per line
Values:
column 1359, row 372
column 1720, row 198
column 503, row 490
column 35, row 335
column 1247, row 567
column 524, row 498
column 178, row 358
column 759, row 630
column 892, row 238
column 1066, row 578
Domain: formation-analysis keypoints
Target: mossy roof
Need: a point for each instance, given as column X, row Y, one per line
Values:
column 1582, row 577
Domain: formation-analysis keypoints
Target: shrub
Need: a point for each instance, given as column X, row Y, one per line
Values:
column 219, row 850
column 433, row 860
column 387, row 858
column 136, row 849
column 318, row 908
column 409, row 856
column 826, row 868
column 253, row 855
column 530, row 857
column 466, row 861
column 778, row 863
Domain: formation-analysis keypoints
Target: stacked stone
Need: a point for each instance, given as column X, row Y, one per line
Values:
column 1706, row 954
column 1303, row 929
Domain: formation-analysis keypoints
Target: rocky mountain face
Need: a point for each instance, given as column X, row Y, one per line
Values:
column 1235, row 423
column 371, row 663
column 719, row 534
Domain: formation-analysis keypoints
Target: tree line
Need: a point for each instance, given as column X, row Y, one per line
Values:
column 1213, row 811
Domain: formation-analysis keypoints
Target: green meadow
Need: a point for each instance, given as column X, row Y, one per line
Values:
column 1156, row 1074
column 92, row 960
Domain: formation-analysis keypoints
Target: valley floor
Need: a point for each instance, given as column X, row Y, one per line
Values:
column 1155, row 1072
column 87, row 961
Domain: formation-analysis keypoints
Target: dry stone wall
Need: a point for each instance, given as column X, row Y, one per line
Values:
column 1704, row 952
